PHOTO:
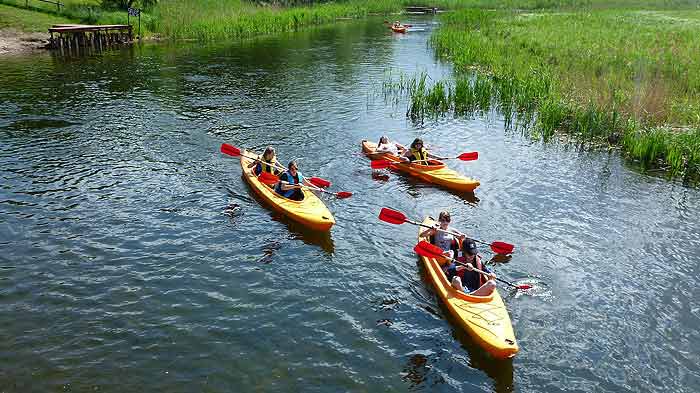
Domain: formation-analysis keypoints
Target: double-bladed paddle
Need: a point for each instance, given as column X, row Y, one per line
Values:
column 470, row 156
column 270, row 179
column 396, row 217
column 428, row 250
column 236, row 152
column 381, row 164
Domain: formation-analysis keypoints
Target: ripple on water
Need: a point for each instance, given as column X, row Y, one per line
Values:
column 134, row 257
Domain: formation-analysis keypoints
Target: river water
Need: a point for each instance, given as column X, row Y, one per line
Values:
column 133, row 257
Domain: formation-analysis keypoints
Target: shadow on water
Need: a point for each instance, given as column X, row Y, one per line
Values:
column 499, row 258
column 499, row 370
column 414, row 186
column 296, row 230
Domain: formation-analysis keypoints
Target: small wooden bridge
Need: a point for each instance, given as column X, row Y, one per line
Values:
column 97, row 36
column 421, row 10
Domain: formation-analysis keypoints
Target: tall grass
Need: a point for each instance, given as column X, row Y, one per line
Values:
column 79, row 11
column 226, row 19
column 601, row 75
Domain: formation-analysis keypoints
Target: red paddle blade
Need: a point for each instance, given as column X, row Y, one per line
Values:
column 343, row 194
column 318, row 182
column 268, row 178
column 502, row 248
column 469, row 156
column 230, row 150
column 428, row 250
column 380, row 164
column 523, row 286
column 391, row 216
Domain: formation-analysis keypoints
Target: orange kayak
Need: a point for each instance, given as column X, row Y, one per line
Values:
column 401, row 29
column 485, row 318
column 437, row 172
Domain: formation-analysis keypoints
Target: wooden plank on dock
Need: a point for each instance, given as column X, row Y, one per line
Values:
column 83, row 28
column 76, row 36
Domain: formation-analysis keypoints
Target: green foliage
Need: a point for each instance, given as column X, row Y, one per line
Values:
column 124, row 4
column 226, row 19
column 601, row 75
column 25, row 20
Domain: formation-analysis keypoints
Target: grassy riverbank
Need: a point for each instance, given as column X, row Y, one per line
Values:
column 227, row 19
column 625, row 77
column 26, row 20
column 207, row 20
column 41, row 15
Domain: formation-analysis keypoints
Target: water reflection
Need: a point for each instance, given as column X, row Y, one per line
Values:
column 499, row 370
column 416, row 370
column 296, row 230
column 415, row 186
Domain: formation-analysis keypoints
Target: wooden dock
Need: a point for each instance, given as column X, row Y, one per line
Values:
column 97, row 36
column 421, row 10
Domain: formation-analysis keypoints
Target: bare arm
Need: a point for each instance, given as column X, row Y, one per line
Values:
column 252, row 164
column 286, row 186
column 428, row 232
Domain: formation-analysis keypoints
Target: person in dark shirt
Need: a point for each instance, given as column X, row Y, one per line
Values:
column 464, row 278
column 291, row 183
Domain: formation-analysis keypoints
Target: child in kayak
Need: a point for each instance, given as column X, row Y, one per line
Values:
column 291, row 182
column 463, row 278
column 419, row 153
column 268, row 163
column 385, row 146
column 446, row 241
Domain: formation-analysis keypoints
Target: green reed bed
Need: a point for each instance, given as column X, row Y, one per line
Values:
column 600, row 75
column 226, row 19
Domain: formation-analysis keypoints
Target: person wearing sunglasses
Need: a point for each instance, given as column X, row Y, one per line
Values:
column 446, row 241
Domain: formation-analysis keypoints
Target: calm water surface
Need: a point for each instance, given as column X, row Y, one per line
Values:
column 133, row 257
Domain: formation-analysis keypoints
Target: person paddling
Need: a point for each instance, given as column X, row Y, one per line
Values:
column 266, row 164
column 464, row 278
column 419, row 153
column 291, row 182
column 446, row 241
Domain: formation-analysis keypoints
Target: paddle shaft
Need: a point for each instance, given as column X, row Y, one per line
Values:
column 432, row 159
column 448, row 232
column 437, row 229
column 282, row 169
column 311, row 187
column 276, row 165
column 484, row 273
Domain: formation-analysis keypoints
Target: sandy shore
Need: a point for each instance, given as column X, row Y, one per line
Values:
column 14, row 41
